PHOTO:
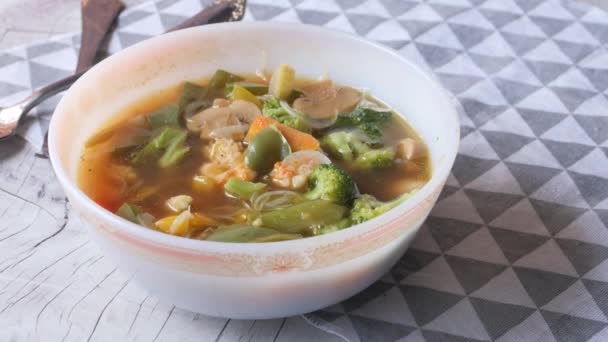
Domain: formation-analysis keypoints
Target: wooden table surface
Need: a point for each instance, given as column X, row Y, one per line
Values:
column 54, row 284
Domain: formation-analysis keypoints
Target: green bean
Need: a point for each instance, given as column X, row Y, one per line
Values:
column 135, row 214
column 242, row 189
column 175, row 151
column 240, row 233
column 299, row 217
column 157, row 144
column 217, row 83
column 165, row 116
column 266, row 148
column 191, row 92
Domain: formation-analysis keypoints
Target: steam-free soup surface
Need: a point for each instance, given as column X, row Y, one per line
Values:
column 245, row 158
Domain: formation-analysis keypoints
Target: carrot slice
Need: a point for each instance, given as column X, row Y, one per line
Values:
column 297, row 140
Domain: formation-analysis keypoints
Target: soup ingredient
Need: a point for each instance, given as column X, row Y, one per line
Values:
column 170, row 140
column 367, row 207
column 281, row 82
column 203, row 184
column 331, row 183
column 297, row 140
column 226, row 152
column 236, row 132
column 333, row 227
column 272, row 108
column 175, row 225
column 237, row 113
column 227, row 161
column 245, row 161
column 409, row 149
column 166, row 116
column 240, row 93
column 175, row 152
column 192, row 99
column 367, row 120
column 346, row 145
column 256, row 89
column 240, row 233
column 199, row 220
column 266, row 148
column 297, row 218
column 275, row 199
column 293, row 171
column 218, row 82
column 351, row 146
column 242, row 189
column 323, row 100
column 376, row 159
column 135, row 214
column 222, row 173
column 179, row 203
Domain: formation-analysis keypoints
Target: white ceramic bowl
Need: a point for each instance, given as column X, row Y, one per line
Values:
column 262, row 280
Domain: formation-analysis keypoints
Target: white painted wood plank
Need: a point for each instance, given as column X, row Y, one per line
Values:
column 252, row 331
column 55, row 285
column 297, row 330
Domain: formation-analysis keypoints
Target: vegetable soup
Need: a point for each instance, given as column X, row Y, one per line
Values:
column 254, row 158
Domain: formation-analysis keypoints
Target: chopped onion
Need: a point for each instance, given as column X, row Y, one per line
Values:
column 316, row 124
column 365, row 103
column 231, row 132
column 291, row 111
column 306, row 155
column 226, row 213
column 275, row 200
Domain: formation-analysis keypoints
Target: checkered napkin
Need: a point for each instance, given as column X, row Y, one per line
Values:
column 517, row 246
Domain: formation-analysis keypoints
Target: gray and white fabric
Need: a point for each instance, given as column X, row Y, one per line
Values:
column 517, row 246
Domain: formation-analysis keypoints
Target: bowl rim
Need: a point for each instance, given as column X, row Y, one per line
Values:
column 438, row 176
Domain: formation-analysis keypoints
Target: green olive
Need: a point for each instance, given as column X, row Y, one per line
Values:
column 266, row 148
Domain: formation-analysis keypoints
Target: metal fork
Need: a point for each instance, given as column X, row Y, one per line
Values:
column 10, row 117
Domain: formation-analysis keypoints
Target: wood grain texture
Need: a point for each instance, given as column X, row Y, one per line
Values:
column 97, row 17
column 55, row 285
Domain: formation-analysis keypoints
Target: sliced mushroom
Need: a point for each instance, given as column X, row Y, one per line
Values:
column 235, row 132
column 323, row 100
column 347, row 99
column 409, row 149
column 239, row 112
column 220, row 102
column 208, row 120
column 244, row 111
column 320, row 91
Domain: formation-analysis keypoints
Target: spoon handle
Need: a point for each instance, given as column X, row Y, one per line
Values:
column 47, row 91
column 97, row 17
column 10, row 116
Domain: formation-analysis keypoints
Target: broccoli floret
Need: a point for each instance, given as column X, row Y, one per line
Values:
column 376, row 159
column 329, row 182
column 344, row 145
column 367, row 207
column 333, row 227
column 349, row 146
column 367, row 120
column 272, row 109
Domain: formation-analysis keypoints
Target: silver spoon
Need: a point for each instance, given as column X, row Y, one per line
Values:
column 11, row 116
